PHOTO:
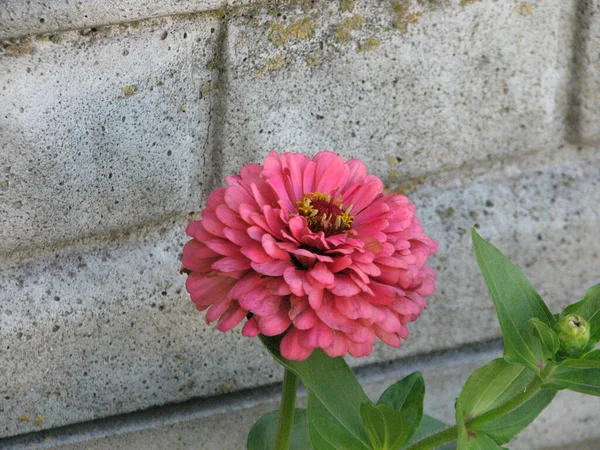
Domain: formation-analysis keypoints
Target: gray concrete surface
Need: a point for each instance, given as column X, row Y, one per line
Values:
column 94, row 139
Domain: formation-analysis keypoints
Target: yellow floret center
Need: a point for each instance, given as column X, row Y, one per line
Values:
column 324, row 214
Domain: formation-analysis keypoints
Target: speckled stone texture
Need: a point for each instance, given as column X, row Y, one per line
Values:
column 95, row 138
column 433, row 84
column 111, row 138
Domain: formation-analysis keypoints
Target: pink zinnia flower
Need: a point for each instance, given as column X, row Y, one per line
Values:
column 313, row 248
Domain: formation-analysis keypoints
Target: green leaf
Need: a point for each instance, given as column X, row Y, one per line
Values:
column 493, row 385
column 549, row 338
column 589, row 309
column 263, row 435
column 479, row 441
column 387, row 427
column 505, row 428
column 407, row 395
column 334, row 399
column 516, row 302
column 430, row 425
column 580, row 375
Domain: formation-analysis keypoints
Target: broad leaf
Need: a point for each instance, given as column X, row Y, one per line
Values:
column 589, row 309
column 334, row 399
column 516, row 302
column 430, row 425
column 493, row 385
column 263, row 435
column 407, row 396
column 387, row 427
column 548, row 337
column 580, row 375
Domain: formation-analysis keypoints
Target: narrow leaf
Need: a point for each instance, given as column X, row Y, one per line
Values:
column 407, row 396
column 589, row 309
column 516, row 302
column 549, row 338
column 387, row 428
column 334, row 399
column 580, row 375
column 263, row 435
column 494, row 385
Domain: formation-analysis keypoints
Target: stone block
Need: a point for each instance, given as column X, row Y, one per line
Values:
column 105, row 130
column 433, row 85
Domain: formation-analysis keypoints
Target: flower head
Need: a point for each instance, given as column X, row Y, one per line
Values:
column 314, row 248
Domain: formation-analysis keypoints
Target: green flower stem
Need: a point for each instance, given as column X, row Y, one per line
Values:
column 436, row 440
column 512, row 404
column 451, row 434
column 286, row 411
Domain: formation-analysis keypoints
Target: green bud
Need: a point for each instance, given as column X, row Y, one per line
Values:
column 574, row 334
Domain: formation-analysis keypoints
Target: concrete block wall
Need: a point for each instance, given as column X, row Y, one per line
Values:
column 117, row 119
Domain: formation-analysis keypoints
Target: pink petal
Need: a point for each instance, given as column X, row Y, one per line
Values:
column 291, row 349
column 320, row 336
column 308, row 180
column 332, row 317
column 338, row 347
column 331, row 172
column 217, row 309
column 301, row 314
column 216, row 198
column 359, row 350
column 255, row 253
column 205, row 290
column 293, row 278
column 315, row 294
column 223, row 247
column 235, row 196
column 364, row 195
column 230, row 218
column 356, row 307
column 238, row 237
column 231, row 318
column 272, row 268
column 251, row 328
column 277, row 323
column 391, row 339
column 321, row 273
column 344, row 286
column 272, row 249
column 260, row 302
column 231, row 263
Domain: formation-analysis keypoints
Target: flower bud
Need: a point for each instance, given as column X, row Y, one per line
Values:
column 574, row 334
